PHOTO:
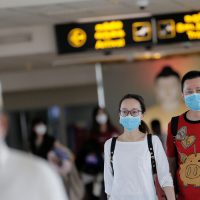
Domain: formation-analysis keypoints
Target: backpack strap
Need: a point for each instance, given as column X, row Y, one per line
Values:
column 150, row 146
column 174, row 130
column 112, row 150
column 174, row 126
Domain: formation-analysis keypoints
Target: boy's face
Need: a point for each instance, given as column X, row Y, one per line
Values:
column 191, row 86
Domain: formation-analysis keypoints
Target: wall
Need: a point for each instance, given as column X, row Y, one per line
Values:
column 24, row 100
column 138, row 77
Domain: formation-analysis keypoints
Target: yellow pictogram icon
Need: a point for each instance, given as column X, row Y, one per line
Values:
column 141, row 31
column 166, row 29
column 77, row 37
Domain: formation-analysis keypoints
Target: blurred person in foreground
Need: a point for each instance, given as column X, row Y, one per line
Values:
column 25, row 177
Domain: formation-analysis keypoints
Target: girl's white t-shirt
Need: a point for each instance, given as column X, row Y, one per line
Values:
column 132, row 170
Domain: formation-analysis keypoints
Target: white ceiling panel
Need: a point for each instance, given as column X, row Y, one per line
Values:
column 23, row 13
column 25, row 3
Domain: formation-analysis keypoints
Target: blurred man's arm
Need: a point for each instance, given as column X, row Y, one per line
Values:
column 52, row 187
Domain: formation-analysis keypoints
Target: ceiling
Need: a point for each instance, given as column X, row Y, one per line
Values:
column 26, row 13
column 49, row 12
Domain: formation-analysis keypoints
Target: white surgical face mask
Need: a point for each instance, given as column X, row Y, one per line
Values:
column 102, row 118
column 40, row 129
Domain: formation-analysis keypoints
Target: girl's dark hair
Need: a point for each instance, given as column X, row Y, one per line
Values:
column 95, row 126
column 143, row 126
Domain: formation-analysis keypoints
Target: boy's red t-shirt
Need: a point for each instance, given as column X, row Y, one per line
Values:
column 187, row 147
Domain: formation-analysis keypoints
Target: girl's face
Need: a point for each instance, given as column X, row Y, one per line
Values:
column 131, row 107
column 101, row 117
column 40, row 128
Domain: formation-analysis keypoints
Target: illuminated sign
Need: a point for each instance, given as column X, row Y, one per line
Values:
column 178, row 27
column 109, row 35
column 190, row 26
column 103, row 35
column 114, row 34
column 166, row 29
column 142, row 31
column 77, row 37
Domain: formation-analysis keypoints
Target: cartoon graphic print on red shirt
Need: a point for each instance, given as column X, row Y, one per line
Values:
column 187, row 144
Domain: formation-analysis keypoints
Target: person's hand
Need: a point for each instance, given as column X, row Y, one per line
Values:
column 63, row 167
column 53, row 159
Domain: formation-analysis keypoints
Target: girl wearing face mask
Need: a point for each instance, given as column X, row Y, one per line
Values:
column 47, row 147
column 40, row 142
column 90, row 158
column 102, row 128
column 131, row 178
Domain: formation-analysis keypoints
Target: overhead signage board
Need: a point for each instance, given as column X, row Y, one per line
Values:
column 103, row 35
column 114, row 34
column 178, row 27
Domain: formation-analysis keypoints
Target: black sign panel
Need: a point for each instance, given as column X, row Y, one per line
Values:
column 114, row 34
column 103, row 35
column 178, row 27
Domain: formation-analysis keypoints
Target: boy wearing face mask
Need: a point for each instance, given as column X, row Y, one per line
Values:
column 183, row 142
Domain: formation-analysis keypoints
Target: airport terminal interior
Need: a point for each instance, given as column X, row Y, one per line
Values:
column 64, row 61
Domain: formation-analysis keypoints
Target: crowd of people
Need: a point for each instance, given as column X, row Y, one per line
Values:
column 140, row 163
column 136, row 165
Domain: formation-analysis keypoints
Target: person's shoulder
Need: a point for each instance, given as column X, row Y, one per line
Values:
column 107, row 142
column 39, row 172
column 178, row 116
column 29, row 162
column 155, row 139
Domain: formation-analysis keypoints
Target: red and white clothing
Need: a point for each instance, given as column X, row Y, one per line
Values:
column 186, row 146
